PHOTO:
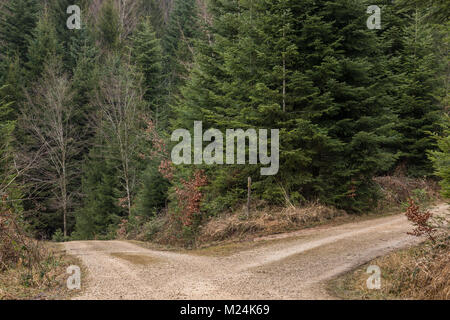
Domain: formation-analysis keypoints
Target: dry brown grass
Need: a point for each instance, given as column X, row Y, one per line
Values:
column 398, row 189
column 265, row 222
column 266, row 219
column 236, row 226
column 29, row 269
column 46, row 283
column 420, row 272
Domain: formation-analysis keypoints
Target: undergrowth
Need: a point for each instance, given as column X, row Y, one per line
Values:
column 29, row 269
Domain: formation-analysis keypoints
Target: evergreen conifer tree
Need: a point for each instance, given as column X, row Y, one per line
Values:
column 71, row 40
column 6, row 137
column 311, row 70
column 100, row 212
column 18, row 20
column 147, row 55
column 418, row 107
column 43, row 47
column 108, row 26
column 178, row 43
column 153, row 192
column 441, row 158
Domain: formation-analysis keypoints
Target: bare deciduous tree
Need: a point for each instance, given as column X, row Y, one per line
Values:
column 48, row 118
column 128, row 16
column 119, row 99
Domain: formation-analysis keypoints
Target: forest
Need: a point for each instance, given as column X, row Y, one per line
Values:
column 89, row 100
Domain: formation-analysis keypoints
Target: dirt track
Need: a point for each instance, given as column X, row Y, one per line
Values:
column 294, row 267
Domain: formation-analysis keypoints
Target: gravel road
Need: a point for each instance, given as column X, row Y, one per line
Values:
column 292, row 266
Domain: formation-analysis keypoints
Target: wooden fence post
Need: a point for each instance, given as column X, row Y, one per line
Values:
column 249, row 192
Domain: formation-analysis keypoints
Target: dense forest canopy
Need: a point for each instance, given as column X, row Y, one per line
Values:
column 87, row 112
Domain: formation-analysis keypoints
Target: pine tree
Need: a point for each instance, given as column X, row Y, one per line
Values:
column 6, row 137
column 108, row 26
column 436, row 11
column 417, row 107
column 17, row 22
column 178, row 42
column 112, row 173
column 158, row 11
column 85, row 76
column 441, row 158
column 43, row 47
column 13, row 81
column 153, row 192
column 100, row 212
column 313, row 71
column 73, row 40
column 348, row 67
column 147, row 55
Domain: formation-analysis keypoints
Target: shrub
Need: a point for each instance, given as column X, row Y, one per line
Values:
column 16, row 247
column 152, row 228
column 420, row 220
column 58, row 236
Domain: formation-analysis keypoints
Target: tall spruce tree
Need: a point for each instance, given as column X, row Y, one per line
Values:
column 85, row 76
column 121, row 111
column 110, row 187
column 153, row 192
column 71, row 40
column 108, row 26
column 7, row 125
column 441, row 158
column 158, row 12
column 43, row 47
column 178, row 42
column 100, row 212
column 17, row 21
column 13, row 80
column 418, row 107
column 313, row 71
column 146, row 53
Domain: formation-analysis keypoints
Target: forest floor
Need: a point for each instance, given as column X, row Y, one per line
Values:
column 295, row 265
